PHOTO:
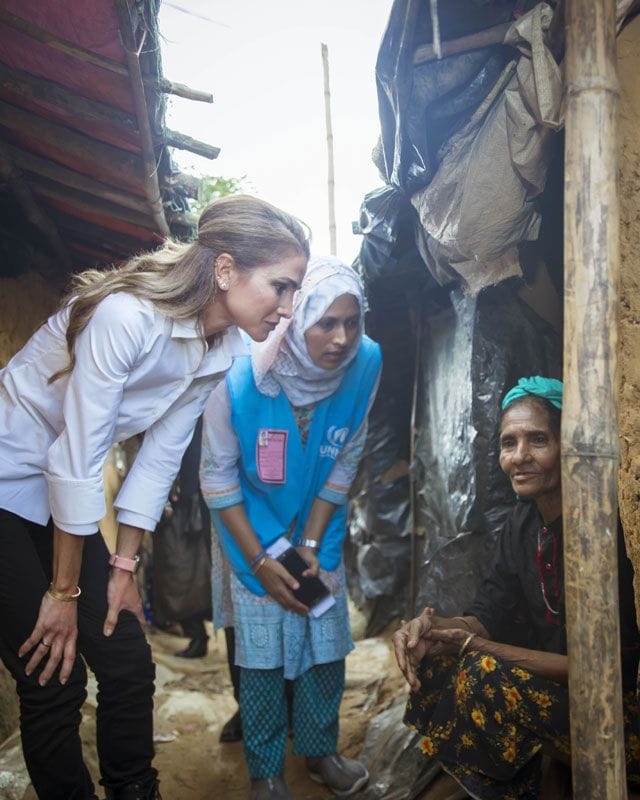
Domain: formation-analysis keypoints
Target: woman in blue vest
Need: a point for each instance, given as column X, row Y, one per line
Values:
column 298, row 410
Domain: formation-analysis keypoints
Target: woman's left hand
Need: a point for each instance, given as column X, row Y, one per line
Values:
column 309, row 555
column 122, row 594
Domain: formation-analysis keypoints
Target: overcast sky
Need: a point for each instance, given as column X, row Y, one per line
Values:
column 261, row 60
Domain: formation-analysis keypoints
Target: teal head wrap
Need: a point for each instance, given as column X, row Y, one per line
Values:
column 548, row 388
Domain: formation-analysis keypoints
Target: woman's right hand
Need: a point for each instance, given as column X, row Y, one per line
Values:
column 411, row 645
column 279, row 582
column 54, row 638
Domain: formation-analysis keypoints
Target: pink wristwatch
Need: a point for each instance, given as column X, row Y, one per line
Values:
column 128, row 564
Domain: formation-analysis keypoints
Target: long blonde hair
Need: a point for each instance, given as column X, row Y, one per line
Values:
column 179, row 278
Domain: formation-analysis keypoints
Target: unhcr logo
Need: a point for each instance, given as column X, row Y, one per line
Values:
column 336, row 438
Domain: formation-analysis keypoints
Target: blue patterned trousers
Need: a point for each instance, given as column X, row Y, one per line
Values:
column 316, row 702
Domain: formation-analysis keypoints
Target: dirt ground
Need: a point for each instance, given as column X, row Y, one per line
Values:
column 194, row 699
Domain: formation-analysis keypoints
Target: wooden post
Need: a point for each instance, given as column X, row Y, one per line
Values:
column 473, row 41
column 331, row 183
column 150, row 177
column 417, row 544
column 589, row 429
column 184, row 142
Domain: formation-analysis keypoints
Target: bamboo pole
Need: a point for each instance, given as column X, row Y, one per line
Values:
column 416, row 539
column 180, row 90
column 589, row 430
column 474, row 41
column 151, row 185
column 30, row 86
column 33, row 31
column 184, row 142
column 331, row 183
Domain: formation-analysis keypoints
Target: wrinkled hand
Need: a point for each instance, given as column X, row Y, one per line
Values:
column 449, row 640
column 57, row 626
column 309, row 555
column 411, row 645
column 122, row 594
column 279, row 582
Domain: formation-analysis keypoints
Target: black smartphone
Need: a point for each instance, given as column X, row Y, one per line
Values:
column 311, row 589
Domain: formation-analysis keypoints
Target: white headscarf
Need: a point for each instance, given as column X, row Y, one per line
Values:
column 283, row 361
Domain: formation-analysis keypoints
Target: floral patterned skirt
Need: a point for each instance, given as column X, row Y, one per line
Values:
column 486, row 721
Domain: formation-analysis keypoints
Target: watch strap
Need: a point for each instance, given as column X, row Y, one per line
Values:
column 128, row 564
column 312, row 543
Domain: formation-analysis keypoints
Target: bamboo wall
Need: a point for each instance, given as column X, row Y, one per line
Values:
column 629, row 343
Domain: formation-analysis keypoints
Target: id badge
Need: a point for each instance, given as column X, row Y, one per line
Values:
column 271, row 455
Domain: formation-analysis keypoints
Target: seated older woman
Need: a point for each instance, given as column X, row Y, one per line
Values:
column 489, row 689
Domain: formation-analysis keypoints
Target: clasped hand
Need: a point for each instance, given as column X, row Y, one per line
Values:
column 418, row 638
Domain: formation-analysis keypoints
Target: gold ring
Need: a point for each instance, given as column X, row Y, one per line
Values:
column 44, row 644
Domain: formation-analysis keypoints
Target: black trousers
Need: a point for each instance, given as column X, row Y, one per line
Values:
column 193, row 626
column 50, row 715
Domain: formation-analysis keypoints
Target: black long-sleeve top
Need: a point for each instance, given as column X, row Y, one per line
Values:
column 521, row 602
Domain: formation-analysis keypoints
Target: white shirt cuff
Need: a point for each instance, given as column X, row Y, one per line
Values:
column 126, row 517
column 141, row 497
column 76, row 505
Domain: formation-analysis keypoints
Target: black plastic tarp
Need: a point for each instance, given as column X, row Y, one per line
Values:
column 421, row 106
column 466, row 139
column 476, row 339
column 474, row 350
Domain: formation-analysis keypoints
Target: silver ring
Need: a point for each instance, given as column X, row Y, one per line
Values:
column 44, row 644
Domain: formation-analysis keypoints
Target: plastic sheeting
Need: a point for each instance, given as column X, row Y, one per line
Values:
column 421, row 107
column 467, row 138
column 397, row 768
column 429, row 112
column 386, row 218
column 377, row 552
column 474, row 350
column 480, row 204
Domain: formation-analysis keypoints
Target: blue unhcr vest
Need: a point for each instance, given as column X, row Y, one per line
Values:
column 281, row 503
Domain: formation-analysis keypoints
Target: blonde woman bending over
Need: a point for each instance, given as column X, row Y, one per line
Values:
column 138, row 348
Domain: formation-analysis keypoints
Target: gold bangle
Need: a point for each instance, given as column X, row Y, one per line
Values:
column 465, row 644
column 64, row 598
column 260, row 564
column 464, row 621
